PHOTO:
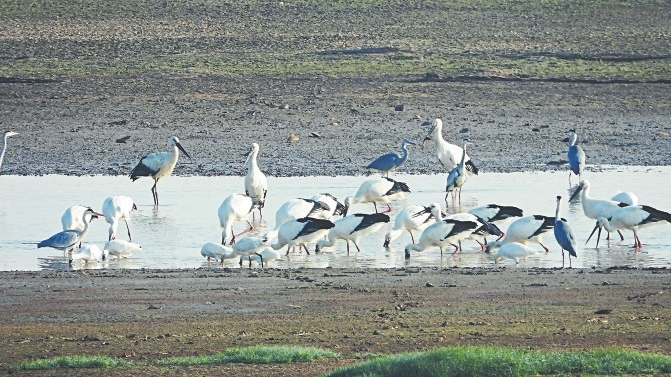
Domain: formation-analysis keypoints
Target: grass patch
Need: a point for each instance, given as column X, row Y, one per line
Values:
column 99, row 362
column 254, row 355
column 490, row 361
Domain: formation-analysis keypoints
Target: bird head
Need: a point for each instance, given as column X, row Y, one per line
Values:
column 436, row 125
column 10, row 133
column 599, row 224
column 174, row 140
column 387, row 240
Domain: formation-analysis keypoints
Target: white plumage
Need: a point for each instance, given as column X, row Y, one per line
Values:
column 444, row 232
column 256, row 183
column 322, row 206
column 525, row 229
column 410, row 218
column 457, row 176
column 248, row 246
column 448, row 154
column 218, row 252
column 116, row 208
column 158, row 165
column 514, row 250
column 121, row 248
column 73, row 218
column 483, row 229
column 68, row 240
column 6, row 135
column 353, row 227
column 88, row 253
column 266, row 255
column 626, row 197
column 632, row 218
column 235, row 207
column 382, row 190
column 301, row 231
column 596, row 208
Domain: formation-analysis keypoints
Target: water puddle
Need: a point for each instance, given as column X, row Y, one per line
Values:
column 172, row 235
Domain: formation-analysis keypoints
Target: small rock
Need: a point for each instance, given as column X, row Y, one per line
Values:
column 292, row 138
column 376, row 332
column 603, row 311
column 463, row 130
column 430, row 285
column 284, row 107
column 535, row 129
column 153, row 307
column 399, row 108
column 315, row 135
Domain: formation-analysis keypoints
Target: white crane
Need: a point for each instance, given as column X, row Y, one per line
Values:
column 121, row 248
column 596, row 208
column 266, row 255
column 632, row 218
column 382, row 190
column 416, row 217
column 442, row 233
column 256, row 183
column 457, row 176
column 576, row 156
column 448, row 154
column 525, row 229
column 235, row 207
column 211, row 250
column 496, row 214
column 116, row 208
column 514, row 250
column 322, row 206
column 88, row 253
column 158, row 165
column 6, row 135
column 72, row 217
column 68, row 240
column 301, row 231
column 353, row 227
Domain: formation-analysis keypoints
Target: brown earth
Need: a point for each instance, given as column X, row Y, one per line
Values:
column 147, row 315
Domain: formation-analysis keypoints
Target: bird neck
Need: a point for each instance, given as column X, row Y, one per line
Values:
column 572, row 139
column 557, row 211
column 251, row 161
column 4, row 146
column 463, row 156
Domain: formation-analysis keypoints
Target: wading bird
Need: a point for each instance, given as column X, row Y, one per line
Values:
column 564, row 235
column 444, row 232
column 248, row 246
column 4, row 144
column 301, row 231
column 632, row 218
column 596, row 208
column 116, row 208
column 218, row 252
column 484, row 229
column 158, row 165
column 266, row 255
column 514, row 250
column 496, row 214
column 353, row 227
column 256, row 183
column 410, row 218
column 457, row 176
column 322, row 206
column 72, row 217
column 448, row 154
column 625, row 197
column 576, row 156
column 121, row 248
column 88, row 253
column 525, row 229
column 382, row 190
column 235, row 207
column 390, row 161
column 68, row 240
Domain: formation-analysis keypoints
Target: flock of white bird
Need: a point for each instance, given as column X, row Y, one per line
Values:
column 302, row 221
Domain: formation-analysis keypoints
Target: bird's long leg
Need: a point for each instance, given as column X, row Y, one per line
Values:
column 482, row 245
column 288, row 247
column 562, row 250
column 251, row 227
column 357, row 247
column 250, row 261
column 155, row 192
column 621, row 236
column 412, row 237
column 128, row 229
column 306, row 248
column 546, row 249
column 456, row 248
column 261, row 257
column 460, row 248
column 388, row 209
column 347, row 242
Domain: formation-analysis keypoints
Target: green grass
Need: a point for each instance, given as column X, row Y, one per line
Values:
column 494, row 362
column 100, row 362
column 254, row 355
column 248, row 355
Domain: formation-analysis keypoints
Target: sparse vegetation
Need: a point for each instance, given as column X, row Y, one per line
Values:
column 254, row 355
column 99, row 362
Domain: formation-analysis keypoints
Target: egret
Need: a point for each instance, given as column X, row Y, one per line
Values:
column 390, row 161
column 88, row 253
column 266, row 255
column 158, row 165
column 256, row 183
column 576, row 156
column 448, row 153
column 300, row 232
column 235, row 207
column 514, row 250
column 442, row 233
column 218, row 252
column 377, row 190
column 353, row 227
column 525, row 229
column 483, row 229
column 626, row 197
column 596, row 208
column 564, row 235
column 496, row 214
column 457, row 176
column 118, row 208
column 72, row 217
column 121, row 248
column 322, row 206
column 4, row 144
column 632, row 218
column 410, row 218
column 248, row 246
column 68, row 240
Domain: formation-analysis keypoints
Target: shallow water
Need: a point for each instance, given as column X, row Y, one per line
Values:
column 172, row 235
